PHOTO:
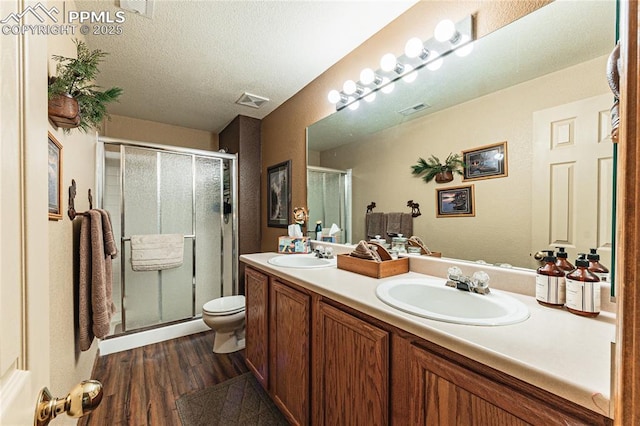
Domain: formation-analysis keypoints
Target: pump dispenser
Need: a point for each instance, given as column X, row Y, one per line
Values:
column 596, row 267
column 562, row 261
column 583, row 290
column 319, row 230
column 550, row 283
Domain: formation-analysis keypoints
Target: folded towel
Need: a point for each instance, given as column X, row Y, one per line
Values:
column 364, row 251
column 155, row 252
column 376, row 225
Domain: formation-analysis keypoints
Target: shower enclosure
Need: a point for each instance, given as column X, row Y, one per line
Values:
column 156, row 189
column 329, row 199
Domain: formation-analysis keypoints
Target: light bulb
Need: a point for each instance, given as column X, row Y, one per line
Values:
column 409, row 74
column 367, row 76
column 445, row 30
column 388, row 87
column 349, row 87
column 334, row 96
column 388, row 62
column 436, row 61
column 413, row 48
column 353, row 105
column 369, row 95
column 465, row 49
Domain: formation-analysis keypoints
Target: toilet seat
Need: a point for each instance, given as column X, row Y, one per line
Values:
column 227, row 305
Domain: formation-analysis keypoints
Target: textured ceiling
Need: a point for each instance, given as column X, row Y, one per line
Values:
column 193, row 60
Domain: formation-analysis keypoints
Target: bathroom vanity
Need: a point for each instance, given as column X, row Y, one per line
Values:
column 329, row 351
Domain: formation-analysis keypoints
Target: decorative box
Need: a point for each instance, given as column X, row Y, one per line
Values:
column 371, row 268
column 294, row 245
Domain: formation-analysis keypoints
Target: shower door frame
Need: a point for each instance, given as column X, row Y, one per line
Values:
column 347, row 195
column 233, row 181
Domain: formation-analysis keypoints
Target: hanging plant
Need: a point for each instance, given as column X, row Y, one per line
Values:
column 434, row 168
column 74, row 100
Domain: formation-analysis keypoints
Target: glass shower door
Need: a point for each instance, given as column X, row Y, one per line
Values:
column 158, row 198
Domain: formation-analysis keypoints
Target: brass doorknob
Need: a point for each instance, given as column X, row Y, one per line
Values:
column 83, row 399
column 539, row 255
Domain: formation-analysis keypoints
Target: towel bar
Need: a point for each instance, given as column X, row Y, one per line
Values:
column 129, row 238
column 71, row 211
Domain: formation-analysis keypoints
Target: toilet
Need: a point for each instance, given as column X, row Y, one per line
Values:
column 225, row 316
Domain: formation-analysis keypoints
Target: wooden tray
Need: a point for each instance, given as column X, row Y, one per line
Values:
column 371, row 268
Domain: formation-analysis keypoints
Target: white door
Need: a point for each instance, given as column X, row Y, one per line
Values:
column 573, row 178
column 24, row 313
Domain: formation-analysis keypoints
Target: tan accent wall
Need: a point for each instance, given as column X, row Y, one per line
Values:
column 69, row 366
column 284, row 130
column 500, row 229
column 134, row 129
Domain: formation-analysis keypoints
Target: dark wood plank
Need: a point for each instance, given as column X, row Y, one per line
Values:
column 142, row 385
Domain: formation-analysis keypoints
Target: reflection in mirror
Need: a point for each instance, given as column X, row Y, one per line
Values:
column 540, row 85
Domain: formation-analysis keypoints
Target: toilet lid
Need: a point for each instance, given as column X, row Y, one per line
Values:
column 224, row 305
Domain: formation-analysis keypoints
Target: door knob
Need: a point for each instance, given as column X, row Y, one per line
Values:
column 539, row 255
column 83, row 399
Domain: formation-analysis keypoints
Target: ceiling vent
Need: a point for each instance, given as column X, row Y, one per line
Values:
column 253, row 101
column 415, row 108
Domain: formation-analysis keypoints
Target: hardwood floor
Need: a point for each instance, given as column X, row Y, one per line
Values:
column 142, row 385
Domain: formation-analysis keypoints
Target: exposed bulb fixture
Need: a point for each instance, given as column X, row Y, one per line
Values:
column 349, row 87
column 415, row 49
column 389, row 63
column 368, row 76
column 353, row 105
column 409, row 74
column 334, row 96
column 436, row 61
column 446, row 31
column 369, row 95
column 387, row 85
column 464, row 49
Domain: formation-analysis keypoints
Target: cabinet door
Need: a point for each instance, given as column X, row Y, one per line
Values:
column 447, row 394
column 257, row 324
column 290, row 363
column 351, row 370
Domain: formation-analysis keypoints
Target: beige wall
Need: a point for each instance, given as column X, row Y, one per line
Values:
column 166, row 134
column 503, row 206
column 69, row 366
column 283, row 131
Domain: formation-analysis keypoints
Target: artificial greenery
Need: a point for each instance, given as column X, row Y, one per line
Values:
column 75, row 77
column 432, row 166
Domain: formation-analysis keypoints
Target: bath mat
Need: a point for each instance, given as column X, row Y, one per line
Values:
column 238, row 401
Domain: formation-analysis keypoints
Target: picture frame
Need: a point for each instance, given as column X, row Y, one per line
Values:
column 55, row 178
column 456, row 201
column 279, row 195
column 485, row 162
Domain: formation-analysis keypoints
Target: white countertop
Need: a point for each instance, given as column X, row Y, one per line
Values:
column 565, row 354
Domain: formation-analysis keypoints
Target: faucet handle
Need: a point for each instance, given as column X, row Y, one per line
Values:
column 454, row 273
column 481, row 280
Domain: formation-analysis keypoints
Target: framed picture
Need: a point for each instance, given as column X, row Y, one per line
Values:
column 456, row 201
column 279, row 194
column 486, row 162
column 55, row 178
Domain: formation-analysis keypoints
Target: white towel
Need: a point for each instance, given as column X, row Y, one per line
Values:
column 155, row 252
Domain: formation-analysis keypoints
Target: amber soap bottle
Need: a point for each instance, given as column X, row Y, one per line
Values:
column 583, row 290
column 596, row 267
column 562, row 261
column 550, row 283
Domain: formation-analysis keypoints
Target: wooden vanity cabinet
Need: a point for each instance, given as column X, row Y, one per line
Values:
column 257, row 324
column 289, row 334
column 350, row 370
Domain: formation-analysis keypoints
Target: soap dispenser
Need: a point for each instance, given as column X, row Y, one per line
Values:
column 562, row 261
column 583, row 290
column 550, row 282
column 596, row 267
column 319, row 230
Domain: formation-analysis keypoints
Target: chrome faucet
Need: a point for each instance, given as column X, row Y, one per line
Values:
column 478, row 283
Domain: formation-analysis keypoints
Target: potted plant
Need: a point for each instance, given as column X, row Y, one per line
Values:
column 433, row 168
column 74, row 100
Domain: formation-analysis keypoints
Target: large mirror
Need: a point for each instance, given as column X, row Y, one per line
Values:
column 525, row 84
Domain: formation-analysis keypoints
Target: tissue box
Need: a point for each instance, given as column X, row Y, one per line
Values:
column 293, row 245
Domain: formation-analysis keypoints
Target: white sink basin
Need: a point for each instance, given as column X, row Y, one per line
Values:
column 303, row 261
column 431, row 298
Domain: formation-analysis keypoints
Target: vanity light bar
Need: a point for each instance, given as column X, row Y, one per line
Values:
column 448, row 37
